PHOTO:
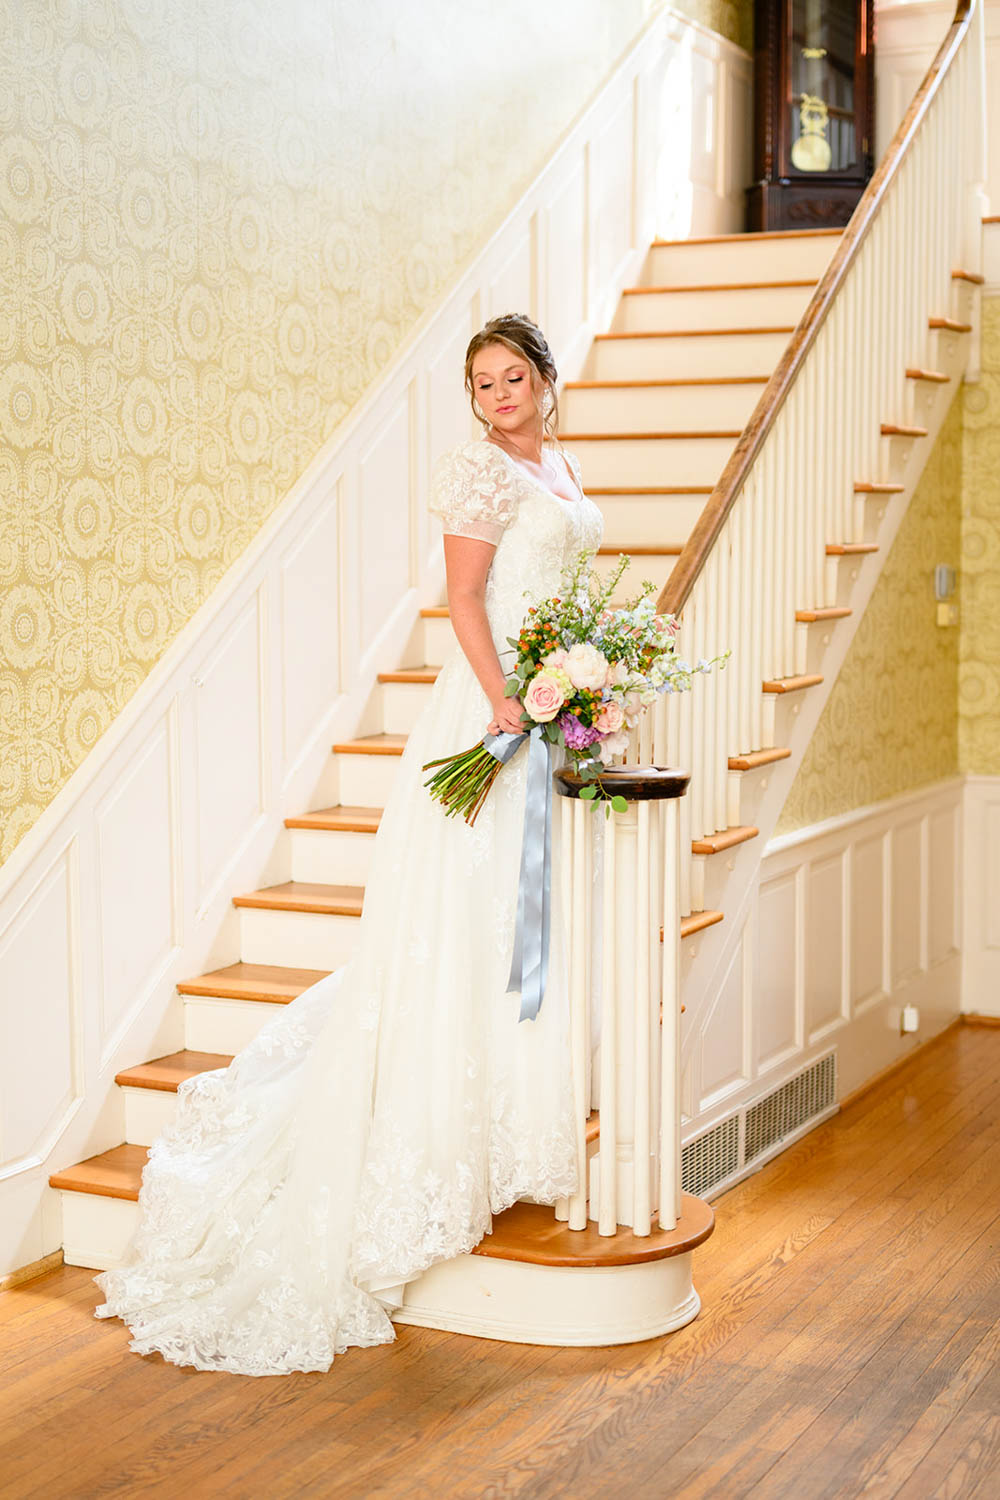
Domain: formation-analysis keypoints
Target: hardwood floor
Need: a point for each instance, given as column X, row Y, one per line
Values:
column 849, row 1345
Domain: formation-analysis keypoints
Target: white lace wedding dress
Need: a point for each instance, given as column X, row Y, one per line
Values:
column 374, row 1127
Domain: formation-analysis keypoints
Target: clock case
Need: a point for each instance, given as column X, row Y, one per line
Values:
column 783, row 196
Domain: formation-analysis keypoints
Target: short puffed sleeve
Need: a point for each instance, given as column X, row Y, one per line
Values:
column 474, row 491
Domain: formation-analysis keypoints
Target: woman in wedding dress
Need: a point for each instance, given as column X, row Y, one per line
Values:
column 374, row 1127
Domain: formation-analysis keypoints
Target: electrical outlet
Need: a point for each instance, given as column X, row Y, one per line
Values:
column 909, row 1020
column 947, row 614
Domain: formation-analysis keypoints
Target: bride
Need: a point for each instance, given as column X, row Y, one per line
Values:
column 375, row 1127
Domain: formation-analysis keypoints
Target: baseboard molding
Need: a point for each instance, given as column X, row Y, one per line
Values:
column 32, row 1271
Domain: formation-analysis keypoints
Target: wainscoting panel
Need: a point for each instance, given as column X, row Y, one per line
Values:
column 40, row 1015
column 229, row 704
column 383, row 502
column 138, row 920
column 827, row 997
column 852, row 919
column 310, row 627
column 980, row 919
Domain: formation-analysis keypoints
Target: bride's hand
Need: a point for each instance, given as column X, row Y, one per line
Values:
column 506, row 716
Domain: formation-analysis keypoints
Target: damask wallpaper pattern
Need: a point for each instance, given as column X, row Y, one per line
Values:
column 979, row 669
column 217, row 224
column 891, row 721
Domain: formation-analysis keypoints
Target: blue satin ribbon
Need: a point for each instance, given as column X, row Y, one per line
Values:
column 529, row 967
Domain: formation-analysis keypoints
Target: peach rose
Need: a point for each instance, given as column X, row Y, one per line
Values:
column 545, row 697
column 611, row 718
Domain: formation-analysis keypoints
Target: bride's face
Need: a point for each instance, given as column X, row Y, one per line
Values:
column 502, row 382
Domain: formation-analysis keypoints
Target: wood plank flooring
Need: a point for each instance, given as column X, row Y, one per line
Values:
column 849, row 1345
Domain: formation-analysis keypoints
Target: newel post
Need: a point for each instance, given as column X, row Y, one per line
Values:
column 626, row 1050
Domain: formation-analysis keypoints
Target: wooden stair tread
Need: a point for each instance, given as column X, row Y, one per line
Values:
column 899, row 429
column 410, row 674
column 633, row 437
column 373, row 744
column 697, row 922
column 792, row 684
column 240, row 981
column 695, row 333
column 628, row 385
column 826, row 612
column 938, row 376
column 961, row 274
column 112, row 1174
column 877, row 487
column 952, row 324
column 434, row 612
column 757, row 758
column 719, row 286
column 645, row 489
column 642, row 550
column 593, row 1132
column 165, row 1073
column 530, row 1232
column 728, row 838
column 342, row 818
column 850, row 549
column 749, row 236
column 307, row 896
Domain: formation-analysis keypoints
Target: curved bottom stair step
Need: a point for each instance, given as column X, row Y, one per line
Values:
column 526, row 1232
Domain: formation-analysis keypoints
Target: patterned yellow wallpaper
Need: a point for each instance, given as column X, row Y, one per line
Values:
column 979, row 669
column 891, row 721
column 217, row 225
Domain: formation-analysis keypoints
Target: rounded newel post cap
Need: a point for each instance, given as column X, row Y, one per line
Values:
column 634, row 783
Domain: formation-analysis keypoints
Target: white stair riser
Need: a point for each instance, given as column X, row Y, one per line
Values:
column 147, row 1111
column 739, row 260
column 651, row 408
column 402, row 703
column 438, row 639
column 212, row 1024
column 739, row 307
column 687, row 357
column 649, row 519
column 96, row 1230
column 330, row 857
column 658, row 569
column 366, row 780
column 642, row 462
column 296, row 939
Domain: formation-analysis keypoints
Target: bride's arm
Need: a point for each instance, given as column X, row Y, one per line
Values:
column 467, row 561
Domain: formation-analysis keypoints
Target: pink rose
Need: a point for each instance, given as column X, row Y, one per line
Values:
column 611, row 718
column 615, row 744
column 545, row 697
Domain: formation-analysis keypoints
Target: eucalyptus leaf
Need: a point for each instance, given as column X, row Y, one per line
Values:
column 587, row 793
column 619, row 804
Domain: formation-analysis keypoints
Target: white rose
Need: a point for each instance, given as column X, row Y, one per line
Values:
column 612, row 745
column 585, row 666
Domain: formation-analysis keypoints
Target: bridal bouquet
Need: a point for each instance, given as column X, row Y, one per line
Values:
column 585, row 672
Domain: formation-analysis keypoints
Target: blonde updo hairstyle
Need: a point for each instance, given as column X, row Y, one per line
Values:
column 518, row 333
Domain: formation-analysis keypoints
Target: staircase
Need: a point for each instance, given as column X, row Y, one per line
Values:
column 706, row 378
column 668, row 391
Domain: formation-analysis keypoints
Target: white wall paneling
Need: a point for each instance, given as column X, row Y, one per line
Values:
column 980, row 921
column 852, row 919
column 124, row 884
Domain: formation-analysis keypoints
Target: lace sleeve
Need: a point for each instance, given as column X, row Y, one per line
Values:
column 474, row 492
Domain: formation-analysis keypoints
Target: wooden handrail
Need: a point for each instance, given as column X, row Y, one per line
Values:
column 712, row 519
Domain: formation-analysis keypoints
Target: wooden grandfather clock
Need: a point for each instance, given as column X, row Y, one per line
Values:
column 814, row 112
